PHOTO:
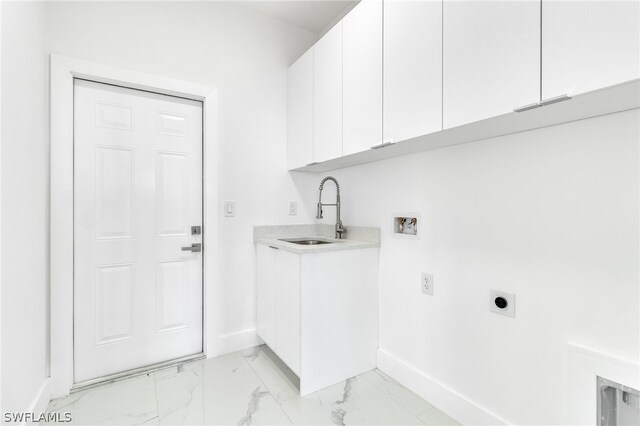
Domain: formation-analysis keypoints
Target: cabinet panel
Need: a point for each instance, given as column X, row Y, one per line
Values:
column 327, row 96
column 587, row 45
column 491, row 58
column 300, row 112
column 412, row 69
column 266, row 294
column 362, row 77
column 288, row 309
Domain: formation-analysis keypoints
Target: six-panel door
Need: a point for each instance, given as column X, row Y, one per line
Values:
column 137, row 193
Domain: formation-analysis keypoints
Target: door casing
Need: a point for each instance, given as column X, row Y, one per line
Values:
column 63, row 71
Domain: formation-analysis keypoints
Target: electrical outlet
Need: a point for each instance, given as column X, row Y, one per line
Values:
column 427, row 283
column 293, row 208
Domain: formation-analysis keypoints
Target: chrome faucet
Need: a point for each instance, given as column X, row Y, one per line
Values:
column 339, row 228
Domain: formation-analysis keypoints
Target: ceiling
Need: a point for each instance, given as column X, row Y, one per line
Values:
column 312, row 15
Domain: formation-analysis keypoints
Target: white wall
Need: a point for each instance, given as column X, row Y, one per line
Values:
column 550, row 215
column 25, row 159
column 1, row 405
column 243, row 54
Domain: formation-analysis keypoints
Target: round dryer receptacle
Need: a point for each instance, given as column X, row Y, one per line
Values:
column 501, row 302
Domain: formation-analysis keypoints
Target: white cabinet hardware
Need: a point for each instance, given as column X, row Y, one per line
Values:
column 554, row 100
column 527, row 107
column 383, row 145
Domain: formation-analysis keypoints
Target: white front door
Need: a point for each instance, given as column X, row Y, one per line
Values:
column 137, row 193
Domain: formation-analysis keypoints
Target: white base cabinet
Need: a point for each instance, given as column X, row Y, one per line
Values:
column 319, row 312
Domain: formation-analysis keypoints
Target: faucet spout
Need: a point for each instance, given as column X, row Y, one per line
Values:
column 339, row 228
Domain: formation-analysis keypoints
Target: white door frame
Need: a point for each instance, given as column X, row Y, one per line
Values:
column 63, row 70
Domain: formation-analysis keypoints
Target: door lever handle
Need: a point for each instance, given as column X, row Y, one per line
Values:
column 195, row 247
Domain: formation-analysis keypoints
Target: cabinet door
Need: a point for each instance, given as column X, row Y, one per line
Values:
column 288, row 309
column 412, row 69
column 587, row 45
column 491, row 58
column 362, row 77
column 300, row 108
column 327, row 96
column 266, row 294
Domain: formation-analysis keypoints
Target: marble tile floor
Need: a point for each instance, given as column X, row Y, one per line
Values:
column 250, row 387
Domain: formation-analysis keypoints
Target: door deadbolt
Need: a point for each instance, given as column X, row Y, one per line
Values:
column 196, row 230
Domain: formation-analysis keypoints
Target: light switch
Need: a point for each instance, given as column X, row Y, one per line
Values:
column 229, row 208
column 293, row 208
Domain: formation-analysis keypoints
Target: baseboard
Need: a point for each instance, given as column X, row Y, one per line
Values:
column 456, row 405
column 42, row 398
column 238, row 341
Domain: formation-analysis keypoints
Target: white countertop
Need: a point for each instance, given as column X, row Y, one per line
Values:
column 272, row 235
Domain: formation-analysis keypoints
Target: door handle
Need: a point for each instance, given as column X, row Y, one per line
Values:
column 195, row 247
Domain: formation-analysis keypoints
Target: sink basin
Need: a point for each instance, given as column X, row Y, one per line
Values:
column 307, row 241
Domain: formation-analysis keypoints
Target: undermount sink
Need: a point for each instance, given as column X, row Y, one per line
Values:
column 307, row 241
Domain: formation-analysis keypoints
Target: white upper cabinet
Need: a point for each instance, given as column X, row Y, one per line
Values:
column 362, row 77
column 327, row 96
column 412, row 69
column 491, row 58
column 300, row 112
column 415, row 69
column 587, row 45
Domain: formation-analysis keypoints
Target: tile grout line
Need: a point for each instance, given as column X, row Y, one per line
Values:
column 155, row 388
column 394, row 400
column 267, row 388
column 432, row 408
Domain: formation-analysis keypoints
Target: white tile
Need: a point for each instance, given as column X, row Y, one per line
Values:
column 403, row 396
column 436, row 417
column 246, row 387
column 355, row 401
column 216, row 391
column 126, row 402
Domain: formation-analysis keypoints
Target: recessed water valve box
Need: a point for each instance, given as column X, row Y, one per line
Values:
column 407, row 225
